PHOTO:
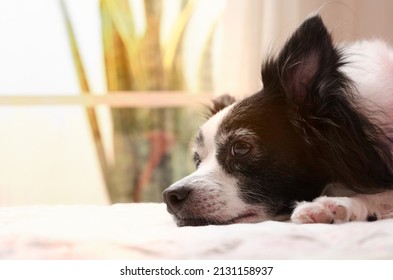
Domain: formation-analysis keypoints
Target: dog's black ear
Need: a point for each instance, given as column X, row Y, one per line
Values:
column 305, row 58
column 220, row 103
column 306, row 75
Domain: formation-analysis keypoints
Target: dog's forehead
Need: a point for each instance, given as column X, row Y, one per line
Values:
column 208, row 130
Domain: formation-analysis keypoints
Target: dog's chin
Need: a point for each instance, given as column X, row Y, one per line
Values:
column 247, row 217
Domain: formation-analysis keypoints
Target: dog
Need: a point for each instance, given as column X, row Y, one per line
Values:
column 314, row 145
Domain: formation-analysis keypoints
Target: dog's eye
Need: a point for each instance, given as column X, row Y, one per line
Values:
column 241, row 148
column 197, row 160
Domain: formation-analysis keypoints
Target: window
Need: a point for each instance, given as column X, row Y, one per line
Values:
column 95, row 103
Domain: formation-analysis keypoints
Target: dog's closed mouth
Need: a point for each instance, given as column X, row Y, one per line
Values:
column 200, row 221
column 242, row 217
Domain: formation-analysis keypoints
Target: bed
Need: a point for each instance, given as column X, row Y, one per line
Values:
column 146, row 231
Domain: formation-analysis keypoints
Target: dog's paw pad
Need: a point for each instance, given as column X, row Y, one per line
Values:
column 324, row 211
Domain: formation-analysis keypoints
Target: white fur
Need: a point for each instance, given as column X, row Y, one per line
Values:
column 370, row 67
column 209, row 132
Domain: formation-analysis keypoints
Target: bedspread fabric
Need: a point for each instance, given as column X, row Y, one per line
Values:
column 147, row 231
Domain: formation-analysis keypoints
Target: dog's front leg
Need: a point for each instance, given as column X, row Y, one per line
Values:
column 344, row 209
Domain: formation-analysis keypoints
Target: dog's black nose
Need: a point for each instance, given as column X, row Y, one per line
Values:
column 175, row 198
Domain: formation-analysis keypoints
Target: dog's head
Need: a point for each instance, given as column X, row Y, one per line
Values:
column 254, row 158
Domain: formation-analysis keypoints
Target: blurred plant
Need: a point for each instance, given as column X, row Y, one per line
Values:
column 137, row 60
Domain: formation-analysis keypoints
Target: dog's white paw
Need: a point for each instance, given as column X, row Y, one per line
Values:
column 327, row 210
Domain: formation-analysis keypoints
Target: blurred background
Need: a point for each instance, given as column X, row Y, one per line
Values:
column 99, row 99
